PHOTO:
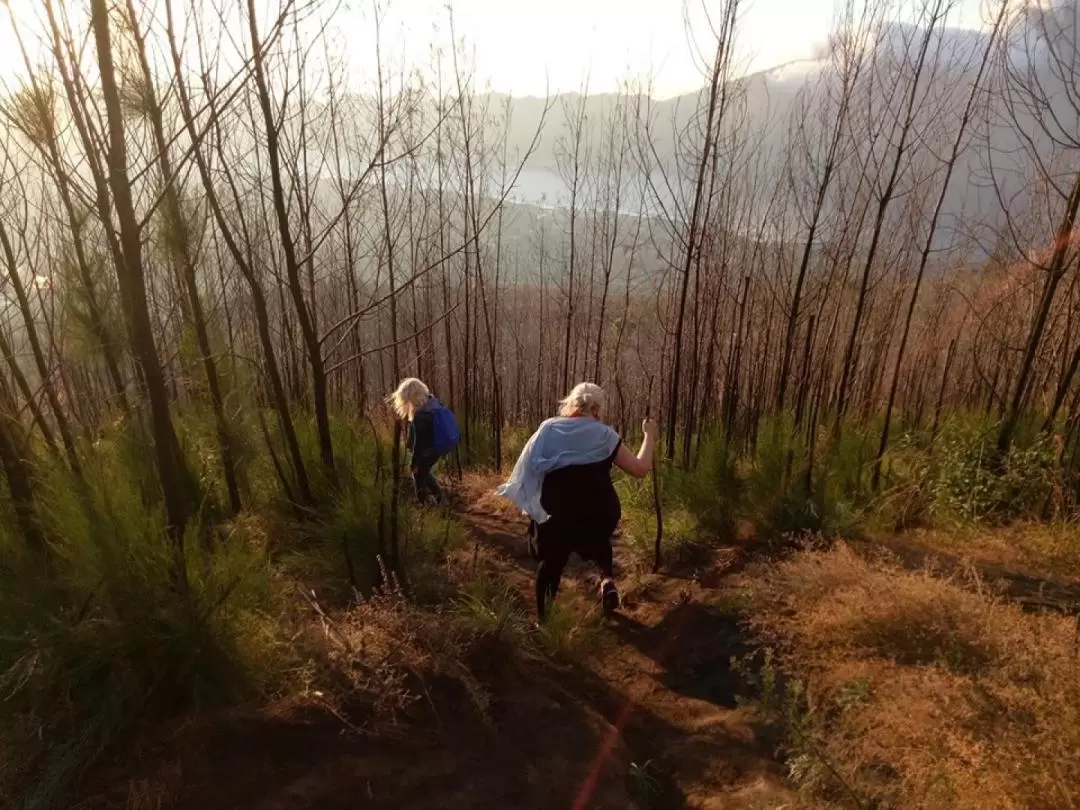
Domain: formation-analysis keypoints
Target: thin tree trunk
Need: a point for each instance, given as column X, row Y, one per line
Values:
column 1055, row 272
column 304, row 316
column 924, row 257
column 258, row 297
column 175, row 481
column 180, row 251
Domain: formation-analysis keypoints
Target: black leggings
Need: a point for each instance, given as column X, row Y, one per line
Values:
column 423, row 481
column 554, row 550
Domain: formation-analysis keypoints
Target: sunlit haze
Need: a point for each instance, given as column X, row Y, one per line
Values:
column 559, row 45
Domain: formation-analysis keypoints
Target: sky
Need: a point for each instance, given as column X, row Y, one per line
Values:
column 527, row 47
column 531, row 47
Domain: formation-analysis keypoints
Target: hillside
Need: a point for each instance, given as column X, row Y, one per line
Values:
column 804, row 533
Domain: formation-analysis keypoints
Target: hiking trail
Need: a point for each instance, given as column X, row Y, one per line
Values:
column 648, row 721
column 667, row 665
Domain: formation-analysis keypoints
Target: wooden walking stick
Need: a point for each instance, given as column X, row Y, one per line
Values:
column 655, row 491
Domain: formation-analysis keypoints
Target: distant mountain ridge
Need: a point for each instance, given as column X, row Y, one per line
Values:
column 771, row 100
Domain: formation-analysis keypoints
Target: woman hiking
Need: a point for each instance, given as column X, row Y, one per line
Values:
column 432, row 433
column 562, row 481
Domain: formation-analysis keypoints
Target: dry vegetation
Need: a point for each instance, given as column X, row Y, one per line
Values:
column 220, row 248
column 903, row 689
column 1030, row 548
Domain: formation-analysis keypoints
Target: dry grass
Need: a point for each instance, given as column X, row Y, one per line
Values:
column 386, row 653
column 373, row 680
column 920, row 693
column 478, row 488
column 1050, row 550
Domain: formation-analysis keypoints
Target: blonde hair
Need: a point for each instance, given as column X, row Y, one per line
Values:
column 410, row 394
column 583, row 398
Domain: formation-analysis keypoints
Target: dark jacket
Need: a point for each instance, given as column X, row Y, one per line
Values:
column 422, row 437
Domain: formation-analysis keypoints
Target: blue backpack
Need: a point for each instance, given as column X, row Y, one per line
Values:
column 446, row 433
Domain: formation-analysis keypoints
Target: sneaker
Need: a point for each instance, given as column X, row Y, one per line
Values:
column 609, row 596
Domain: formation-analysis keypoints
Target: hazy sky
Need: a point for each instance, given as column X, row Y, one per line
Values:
column 529, row 46
column 522, row 45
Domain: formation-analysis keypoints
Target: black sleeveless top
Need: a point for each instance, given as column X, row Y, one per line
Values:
column 581, row 498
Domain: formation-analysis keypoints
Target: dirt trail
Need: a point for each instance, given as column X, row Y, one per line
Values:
column 664, row 682
column 650, row 722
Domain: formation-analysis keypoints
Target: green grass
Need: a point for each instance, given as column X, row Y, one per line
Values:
column 571, row 634
column 489, row 605
column 120, row 630
column 123, row 627
column 952, row 479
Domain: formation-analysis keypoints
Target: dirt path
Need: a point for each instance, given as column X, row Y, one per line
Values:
column 663, row 680
column 648, row 722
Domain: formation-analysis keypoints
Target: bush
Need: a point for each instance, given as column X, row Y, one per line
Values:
column 118, row 628
column 968, row 481
column 684, row 538
column 776, row 486
column 712, row 489
column 513, row 442
column 338, row 545
column 957, row 477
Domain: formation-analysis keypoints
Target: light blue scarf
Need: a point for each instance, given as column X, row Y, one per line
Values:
column 557, row 443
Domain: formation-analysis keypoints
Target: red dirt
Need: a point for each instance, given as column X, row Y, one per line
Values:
column 651, row 722
column 667, row 684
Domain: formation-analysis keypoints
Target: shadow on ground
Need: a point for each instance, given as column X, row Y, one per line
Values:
column 693, row 646
column 533, row 750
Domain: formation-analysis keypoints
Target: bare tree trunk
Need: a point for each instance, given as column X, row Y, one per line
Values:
column 714, row 112
column 924, row 257
column 175, row 479
column 906, row 126
column 573, row 175
column 179, row 245
column 1055, row 273
column 304, row 316
column 38, row 354
column 258, row 296
column 50, row 150
column 949, row 356
column 15, row 461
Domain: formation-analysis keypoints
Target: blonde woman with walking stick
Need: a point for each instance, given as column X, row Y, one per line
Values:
column 562, row 480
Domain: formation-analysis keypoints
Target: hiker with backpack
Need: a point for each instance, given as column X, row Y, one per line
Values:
column 433, row 433
column 562, row 481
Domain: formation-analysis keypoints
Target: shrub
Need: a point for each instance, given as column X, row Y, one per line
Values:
column 776, row 486
column 970, row 482
column 712, row 489
column 684, row 539
column 337, row 545
column 119, row 629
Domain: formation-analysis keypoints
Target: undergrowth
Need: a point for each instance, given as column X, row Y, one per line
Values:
column 120, row 628
column 903, row 689
column 787, row 485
